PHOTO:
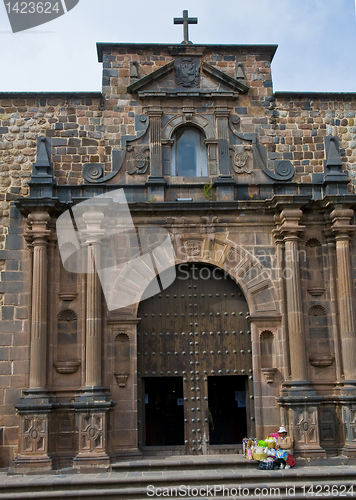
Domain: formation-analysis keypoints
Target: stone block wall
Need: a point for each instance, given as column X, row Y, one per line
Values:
column 14, row 331
column 301, row 121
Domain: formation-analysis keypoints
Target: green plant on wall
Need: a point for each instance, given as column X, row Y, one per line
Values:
column 208, row 192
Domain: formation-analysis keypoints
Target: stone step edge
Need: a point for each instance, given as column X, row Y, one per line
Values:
column 136, row 496
column 136, row 493
column 277, row 476
column 221, row 462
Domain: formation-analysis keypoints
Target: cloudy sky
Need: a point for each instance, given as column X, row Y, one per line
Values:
column 316, row 40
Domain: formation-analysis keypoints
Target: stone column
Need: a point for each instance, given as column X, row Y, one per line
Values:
column 333, row 302
column 156, row 182
column 284, row 326
column 39, row 233
column 300, row 403
column 93, row 320
column 35, row 405
column 94, row 401
column 342, row 230
column 222, row 116
column 290, row 229
column 225, row 184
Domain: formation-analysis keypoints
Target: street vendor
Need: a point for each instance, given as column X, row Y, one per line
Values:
column 284, row 449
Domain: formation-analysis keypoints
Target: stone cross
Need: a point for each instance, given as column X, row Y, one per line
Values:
column 185, row 20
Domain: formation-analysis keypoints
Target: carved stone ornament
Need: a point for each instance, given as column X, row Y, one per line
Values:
column 240, row 162
column 141, row 161
column 67, row 367
column 269, row 374
column 321, row 361
column 187, row 72
column 193, row 248
column 121, row 378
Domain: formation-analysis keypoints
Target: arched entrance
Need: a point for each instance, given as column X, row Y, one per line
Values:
column 195, row 365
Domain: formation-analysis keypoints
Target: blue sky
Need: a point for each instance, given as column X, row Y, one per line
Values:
column 316, row 40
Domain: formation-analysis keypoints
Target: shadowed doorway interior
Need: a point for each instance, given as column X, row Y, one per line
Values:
column 227, row 405
column 164, row 411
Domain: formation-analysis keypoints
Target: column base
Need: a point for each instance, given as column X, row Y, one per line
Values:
column 155, row 189
column 312, row 453
column 92, row 406
column 31, row 464
column 348, row 415
column 84, row 462
column 348, row 451
column 34, row 409
column 225, row 188
column 302, row 406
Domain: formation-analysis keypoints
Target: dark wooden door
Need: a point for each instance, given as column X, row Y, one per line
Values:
column 197, row 330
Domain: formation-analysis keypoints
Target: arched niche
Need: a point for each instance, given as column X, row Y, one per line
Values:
column 67, row 342
column 267, row 349
column 314, row 269
column 319, row 340
column 122, row 358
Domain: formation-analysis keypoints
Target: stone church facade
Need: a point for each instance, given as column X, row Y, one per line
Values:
column 256, row 192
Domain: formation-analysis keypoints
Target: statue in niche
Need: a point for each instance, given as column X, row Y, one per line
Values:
column 187, row 72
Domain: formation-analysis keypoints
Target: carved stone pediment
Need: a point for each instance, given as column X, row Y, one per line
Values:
column 188, row 77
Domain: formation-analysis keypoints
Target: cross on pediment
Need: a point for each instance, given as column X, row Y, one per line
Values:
column 185, row 20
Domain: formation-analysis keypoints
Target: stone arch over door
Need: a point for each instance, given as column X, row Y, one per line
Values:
column 253, row 279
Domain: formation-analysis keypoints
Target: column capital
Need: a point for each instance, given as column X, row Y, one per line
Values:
column 38, row 232
column 93, row 230
column 222, row 112
column 278, row 236
column 154, row 111
column 289, row 220
column 341, row 227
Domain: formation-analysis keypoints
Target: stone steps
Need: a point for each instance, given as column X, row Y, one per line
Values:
column 130, row 480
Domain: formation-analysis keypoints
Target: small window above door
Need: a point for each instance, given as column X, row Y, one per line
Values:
column 189, row 153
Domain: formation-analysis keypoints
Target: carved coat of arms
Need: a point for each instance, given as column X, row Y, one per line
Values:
column 240, row 159
column 187, row 71
column 193, row 248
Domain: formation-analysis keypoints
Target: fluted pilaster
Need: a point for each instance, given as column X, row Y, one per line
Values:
column 38, row 235
column 155, row 114
column 222, row 116
column 93, row 233
column 342, row 230
column 290, row 229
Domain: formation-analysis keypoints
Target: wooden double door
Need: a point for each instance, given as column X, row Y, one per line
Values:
column 195, row 364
